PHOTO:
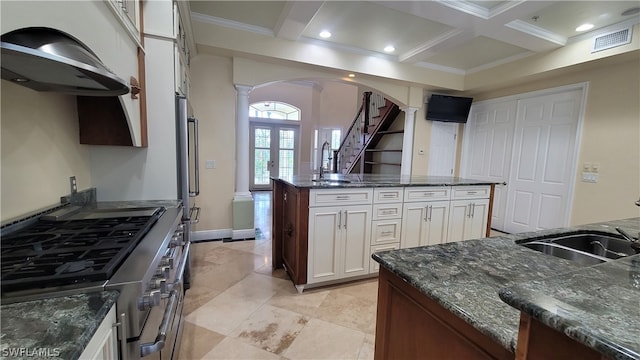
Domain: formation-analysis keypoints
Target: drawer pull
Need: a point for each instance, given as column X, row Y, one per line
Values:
column 388, row 232
column 389, row 196
column 342, row 197
column 388, row 212
column 428, row 194
column 471, row 192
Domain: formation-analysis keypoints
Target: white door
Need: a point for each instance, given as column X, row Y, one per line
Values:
column 488, row 154
column 442, row 152
column 543, row 163
column 274, row 150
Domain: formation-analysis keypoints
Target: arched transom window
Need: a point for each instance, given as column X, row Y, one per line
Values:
column 274, row 110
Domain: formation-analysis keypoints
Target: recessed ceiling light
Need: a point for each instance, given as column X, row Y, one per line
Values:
column 352, row 75
column 325, row 34
column 389, row 48
column 584, row 27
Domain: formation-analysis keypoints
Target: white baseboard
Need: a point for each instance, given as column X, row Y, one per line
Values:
column 211, row 235
column 223, row 234
column 244, row 234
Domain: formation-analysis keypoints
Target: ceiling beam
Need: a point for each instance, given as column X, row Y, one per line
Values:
column 295, row 17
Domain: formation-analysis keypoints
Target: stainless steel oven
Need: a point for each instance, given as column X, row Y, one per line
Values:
column 152, row 254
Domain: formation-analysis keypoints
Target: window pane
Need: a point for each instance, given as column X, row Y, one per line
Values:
column 286, row 139
column 274, row 110
column 263, row 138
column 261, row 166
column 335, row 138
column 286, row 164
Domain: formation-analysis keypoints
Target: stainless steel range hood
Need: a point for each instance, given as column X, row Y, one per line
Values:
column 46, row 59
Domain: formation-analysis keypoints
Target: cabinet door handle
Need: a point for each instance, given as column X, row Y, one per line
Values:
column 340, row 219
column 473, row 209
column 426, row 213
column 346, row 216
column 430, row 212
column 469, row 211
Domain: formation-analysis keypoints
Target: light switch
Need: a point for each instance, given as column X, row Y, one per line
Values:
column 586, row 167
column 595, row 168
column 210, row 164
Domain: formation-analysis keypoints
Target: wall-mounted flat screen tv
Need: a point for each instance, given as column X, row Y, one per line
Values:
column 448, row 108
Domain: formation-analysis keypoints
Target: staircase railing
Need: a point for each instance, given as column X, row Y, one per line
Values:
column 353, row 140
column 363, row 132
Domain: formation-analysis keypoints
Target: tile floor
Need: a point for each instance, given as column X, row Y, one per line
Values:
column 238, row 308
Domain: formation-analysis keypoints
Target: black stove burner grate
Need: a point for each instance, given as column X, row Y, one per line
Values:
column 56, row 253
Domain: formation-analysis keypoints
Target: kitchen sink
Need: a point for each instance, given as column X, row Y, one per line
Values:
column 331, row 181
column 585, row 248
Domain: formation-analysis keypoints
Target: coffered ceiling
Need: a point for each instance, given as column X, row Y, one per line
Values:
column 451, row 36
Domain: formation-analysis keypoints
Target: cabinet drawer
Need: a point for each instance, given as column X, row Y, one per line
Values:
column 470, row 192
column 340, row 197
column 374, row 266
column 387, row 195
column 385, row 231
column 412, row 194
column 387, row 211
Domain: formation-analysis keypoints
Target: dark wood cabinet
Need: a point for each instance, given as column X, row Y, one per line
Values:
column 290, row 223
column 410, row 325
column 536, row 341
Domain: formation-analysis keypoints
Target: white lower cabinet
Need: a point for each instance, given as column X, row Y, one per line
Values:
column 468, row 219
column 103, row 345
column 339, row 242
column 374, row 266
column 424, row 223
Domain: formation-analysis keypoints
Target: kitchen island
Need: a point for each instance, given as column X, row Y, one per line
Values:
column 325, row 229
column 444, row 301
column 54, row 328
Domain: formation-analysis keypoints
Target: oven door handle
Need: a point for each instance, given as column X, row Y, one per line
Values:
column 158, row 344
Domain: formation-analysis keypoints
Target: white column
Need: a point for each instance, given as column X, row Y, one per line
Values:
column 407, row 140
column 242, row 142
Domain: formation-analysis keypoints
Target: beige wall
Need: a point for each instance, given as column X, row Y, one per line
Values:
column 610, row 138
column 213, row 98
column 40, row 149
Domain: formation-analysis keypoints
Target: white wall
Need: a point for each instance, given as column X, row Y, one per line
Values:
column 40, row 149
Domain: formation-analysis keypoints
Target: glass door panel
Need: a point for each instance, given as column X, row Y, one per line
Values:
column 273, row 153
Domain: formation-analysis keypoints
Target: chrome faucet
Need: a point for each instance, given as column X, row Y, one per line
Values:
column 322, row 169
column 635, row 242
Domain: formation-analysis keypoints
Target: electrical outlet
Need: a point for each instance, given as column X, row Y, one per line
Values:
column 210, row 164
column 589, row 177
column 73, row 184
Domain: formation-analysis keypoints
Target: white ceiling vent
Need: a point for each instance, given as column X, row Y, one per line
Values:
column 611, row 40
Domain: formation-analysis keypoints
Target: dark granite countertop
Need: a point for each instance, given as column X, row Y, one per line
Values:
column 373, row 180
column 466, row 278
column 57, row 327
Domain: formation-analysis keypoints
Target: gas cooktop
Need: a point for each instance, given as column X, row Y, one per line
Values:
column 84, row 247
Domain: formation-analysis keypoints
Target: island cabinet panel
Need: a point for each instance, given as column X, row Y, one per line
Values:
column 468, row 219
column 424, row 223
column 290, row 230
column 339, row 240
column 411, row 326
column 537, row 341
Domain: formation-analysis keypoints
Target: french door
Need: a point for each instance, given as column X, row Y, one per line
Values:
column 273, row 152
